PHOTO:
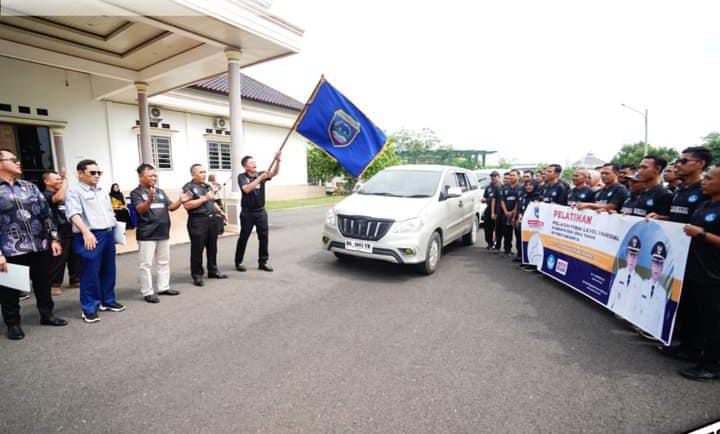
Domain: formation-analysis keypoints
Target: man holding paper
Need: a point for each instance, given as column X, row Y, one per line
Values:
column 28, row 235
column 89, row 209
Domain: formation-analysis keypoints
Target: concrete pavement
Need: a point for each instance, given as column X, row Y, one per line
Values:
column 324, row 346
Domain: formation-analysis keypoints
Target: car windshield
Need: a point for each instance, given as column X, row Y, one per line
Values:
column 403, row 183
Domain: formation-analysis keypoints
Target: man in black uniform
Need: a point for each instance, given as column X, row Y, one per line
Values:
column 655, row 199
column 671, row 178
column 626, row 171
column 554, row 190
column 703, row 278
column 611, row 197
column 205, row 219
column 489, row 194
column 508, row 210
column 55, row 189
column 636, row 187
column 690, row 167
column 581, row 191
column 497, row 213
column 252, row 184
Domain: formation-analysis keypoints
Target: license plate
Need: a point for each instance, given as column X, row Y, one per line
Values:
column 359, row 246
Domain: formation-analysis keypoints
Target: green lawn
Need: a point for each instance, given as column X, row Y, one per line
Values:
column 297, row 203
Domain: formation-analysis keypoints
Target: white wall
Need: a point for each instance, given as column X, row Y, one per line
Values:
column 103, row 130
column 68, row 97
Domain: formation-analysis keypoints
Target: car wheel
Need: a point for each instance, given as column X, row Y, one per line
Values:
column 343, row 257
column 432, row 255
column 470, row 238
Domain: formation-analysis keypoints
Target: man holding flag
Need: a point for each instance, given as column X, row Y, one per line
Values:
column 252, row 213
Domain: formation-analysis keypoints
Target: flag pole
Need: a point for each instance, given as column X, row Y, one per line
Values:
column 298, row 119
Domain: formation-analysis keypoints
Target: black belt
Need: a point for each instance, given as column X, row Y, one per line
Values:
column 204, row 215
column 253, row 210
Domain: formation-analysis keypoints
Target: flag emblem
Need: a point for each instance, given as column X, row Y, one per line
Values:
column 343, row 129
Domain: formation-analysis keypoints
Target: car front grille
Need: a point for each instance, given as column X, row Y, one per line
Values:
column 363, row 228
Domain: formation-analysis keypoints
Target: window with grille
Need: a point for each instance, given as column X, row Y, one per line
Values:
column 219, row 156
column 162, row 152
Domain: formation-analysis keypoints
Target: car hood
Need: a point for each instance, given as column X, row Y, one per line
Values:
column 382, row 207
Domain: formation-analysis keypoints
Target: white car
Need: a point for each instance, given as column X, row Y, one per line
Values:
column 406, row 215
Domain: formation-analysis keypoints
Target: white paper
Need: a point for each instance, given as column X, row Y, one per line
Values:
column 119, row 233
column 17, row 277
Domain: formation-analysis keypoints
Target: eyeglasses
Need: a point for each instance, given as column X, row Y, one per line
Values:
column 12, row 160
column 685, row 160
column 94, row 172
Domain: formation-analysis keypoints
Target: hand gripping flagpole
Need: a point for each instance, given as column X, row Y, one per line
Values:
column 298, row 119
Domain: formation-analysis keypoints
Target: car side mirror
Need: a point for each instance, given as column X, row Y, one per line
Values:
column 357, row 187
column 454, row 192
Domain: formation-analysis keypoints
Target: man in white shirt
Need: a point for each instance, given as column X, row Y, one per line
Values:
column 627, row 281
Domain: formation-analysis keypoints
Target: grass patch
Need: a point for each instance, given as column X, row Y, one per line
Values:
column 298, row 203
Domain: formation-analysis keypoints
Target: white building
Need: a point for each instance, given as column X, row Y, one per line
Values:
column 82, row 86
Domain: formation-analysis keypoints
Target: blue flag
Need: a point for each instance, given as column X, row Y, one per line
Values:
column 333, row 123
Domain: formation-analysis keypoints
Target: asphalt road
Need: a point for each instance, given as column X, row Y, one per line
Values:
column 324, row 346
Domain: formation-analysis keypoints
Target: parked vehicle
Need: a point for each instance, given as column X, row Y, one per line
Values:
column 406, row 215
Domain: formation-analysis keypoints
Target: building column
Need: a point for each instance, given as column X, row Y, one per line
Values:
column 237, row 149
column 145, row 144
column 57, row 137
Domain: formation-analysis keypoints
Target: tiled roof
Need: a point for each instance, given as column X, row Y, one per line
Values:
column 250, row 89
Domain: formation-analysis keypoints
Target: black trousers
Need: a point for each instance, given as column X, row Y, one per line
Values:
column 203, row 231
column 507, row 237
column 248, row 219
column 489, row 228
column 687, row 323
column 39, row 263
column 708, row 296
column 499, row 231
column 518, row 239
column 69, row 258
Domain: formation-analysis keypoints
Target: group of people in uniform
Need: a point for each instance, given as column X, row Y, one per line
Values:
column 75, row 227
column 685, row 191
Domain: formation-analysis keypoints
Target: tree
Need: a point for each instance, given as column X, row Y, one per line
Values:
column 322, row 168
column 712, row 142
column 423, row 140
column 632, row 154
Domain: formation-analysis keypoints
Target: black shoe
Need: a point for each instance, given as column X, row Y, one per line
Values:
column 217, row 275
column 15, row 333
column 702, row 372
column 489, row 247
column 90, row 317
column 112, row 307
column 169, row 292
column 240, row 267
column 265, row 267
column 198, row 281
column 516, row 259
column 53, row 321
column 152, row 298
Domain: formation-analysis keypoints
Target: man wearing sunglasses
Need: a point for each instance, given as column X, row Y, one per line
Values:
column 686, row 200
column 28, row 235
column 89, row 209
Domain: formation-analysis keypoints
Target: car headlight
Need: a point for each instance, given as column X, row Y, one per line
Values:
column 330, row 217
column 412, row 225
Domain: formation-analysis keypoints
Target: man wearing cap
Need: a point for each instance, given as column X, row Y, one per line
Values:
column 627, row 281
column 650, row 306
column 636, row 187
column 491, row 191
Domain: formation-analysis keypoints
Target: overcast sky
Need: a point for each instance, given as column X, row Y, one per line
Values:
column 538, row 81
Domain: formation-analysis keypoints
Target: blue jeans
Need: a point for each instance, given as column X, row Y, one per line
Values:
column 97, row 280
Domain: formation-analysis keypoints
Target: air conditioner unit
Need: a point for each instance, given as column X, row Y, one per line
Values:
column 155, row 114
column 221, row 123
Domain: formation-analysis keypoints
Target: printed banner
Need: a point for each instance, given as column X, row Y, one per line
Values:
column 631, row 266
